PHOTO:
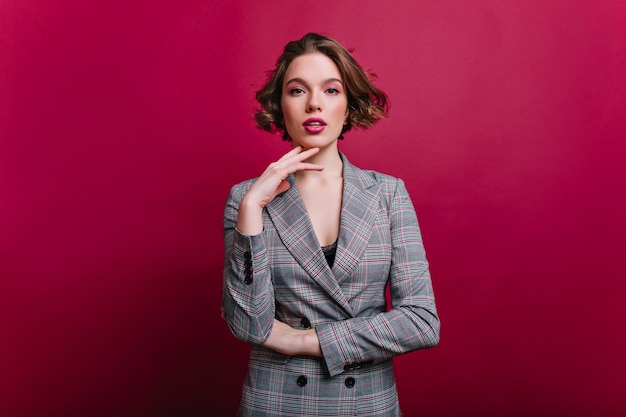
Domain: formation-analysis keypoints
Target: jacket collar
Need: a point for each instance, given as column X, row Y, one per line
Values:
column 359, row 206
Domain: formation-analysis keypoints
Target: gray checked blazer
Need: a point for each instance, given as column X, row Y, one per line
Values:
column 282, row 273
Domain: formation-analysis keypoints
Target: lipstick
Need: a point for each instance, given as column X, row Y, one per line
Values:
column 314, row 125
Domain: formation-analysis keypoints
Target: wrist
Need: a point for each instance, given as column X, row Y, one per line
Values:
column 310, row 344
column 250, row 218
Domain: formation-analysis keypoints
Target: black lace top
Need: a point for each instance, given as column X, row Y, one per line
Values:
column 329, row 253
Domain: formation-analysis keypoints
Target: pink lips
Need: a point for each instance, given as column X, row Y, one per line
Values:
column 314, row 125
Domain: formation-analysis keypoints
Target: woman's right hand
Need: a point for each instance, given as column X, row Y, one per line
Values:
column 271, row 183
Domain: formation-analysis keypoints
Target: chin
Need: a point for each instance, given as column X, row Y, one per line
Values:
column 315, row 142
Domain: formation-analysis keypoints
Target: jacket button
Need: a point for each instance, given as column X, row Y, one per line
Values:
column 349, row 382
column 248, row 280
column 305, row 323
column 301, row 381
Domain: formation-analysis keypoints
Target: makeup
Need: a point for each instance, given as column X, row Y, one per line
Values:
column 314, row 125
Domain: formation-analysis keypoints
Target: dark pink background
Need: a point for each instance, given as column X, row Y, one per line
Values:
column 123, row 125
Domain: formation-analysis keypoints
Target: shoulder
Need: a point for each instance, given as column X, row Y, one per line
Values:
column 388, row 184
column 237, row 191
column 391, row 188
column 379, row 177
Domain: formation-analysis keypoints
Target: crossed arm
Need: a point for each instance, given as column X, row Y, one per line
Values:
column 411, row 324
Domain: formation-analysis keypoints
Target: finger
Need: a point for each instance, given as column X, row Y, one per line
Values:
column 288, row 160
column 303, row 156
column 291, row 153
column 283, row 171
column 305, row 166
column 282, row 187
column 310, row 167
column 298, row 154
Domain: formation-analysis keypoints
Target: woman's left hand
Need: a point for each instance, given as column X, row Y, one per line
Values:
column 289, row 341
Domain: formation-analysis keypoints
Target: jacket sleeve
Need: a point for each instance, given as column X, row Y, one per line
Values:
column 412, row 322
column 247, row 292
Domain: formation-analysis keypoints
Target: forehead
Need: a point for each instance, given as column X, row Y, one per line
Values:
column 312, row 67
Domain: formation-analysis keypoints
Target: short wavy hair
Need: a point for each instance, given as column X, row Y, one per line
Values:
column 366, row 103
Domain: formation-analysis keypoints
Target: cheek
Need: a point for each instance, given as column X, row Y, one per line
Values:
column 287, row 111
column 341, row 111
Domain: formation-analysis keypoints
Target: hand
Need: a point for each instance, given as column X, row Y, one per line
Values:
column 271, row 183
column 289, row 341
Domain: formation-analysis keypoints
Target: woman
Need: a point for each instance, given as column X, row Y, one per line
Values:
column 311, row 245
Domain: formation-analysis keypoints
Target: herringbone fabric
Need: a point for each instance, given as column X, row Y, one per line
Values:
column 282, row 273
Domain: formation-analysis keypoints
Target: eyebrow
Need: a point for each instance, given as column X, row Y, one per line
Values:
column 301, row 81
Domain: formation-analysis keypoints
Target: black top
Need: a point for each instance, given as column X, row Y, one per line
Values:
column 329, row 253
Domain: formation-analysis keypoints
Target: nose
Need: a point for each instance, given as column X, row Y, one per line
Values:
column 313, row 104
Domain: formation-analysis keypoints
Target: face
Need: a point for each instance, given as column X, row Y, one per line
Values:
column 314, row 101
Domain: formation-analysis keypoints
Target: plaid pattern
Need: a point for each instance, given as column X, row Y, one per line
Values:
column 379, row 244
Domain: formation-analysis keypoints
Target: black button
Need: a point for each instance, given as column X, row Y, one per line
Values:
column 305, row 323
column 350, row 382
column 248, row 280
column 357, row 365
column 301, row 381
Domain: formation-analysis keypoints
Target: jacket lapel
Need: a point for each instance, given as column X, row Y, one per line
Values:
column 359, row 208
column 289, row 215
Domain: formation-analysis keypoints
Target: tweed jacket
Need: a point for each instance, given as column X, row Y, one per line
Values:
column 282, row 273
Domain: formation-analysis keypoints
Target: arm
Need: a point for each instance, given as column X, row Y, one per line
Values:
column 248, row 293
column 289, row 341
column 411, row 324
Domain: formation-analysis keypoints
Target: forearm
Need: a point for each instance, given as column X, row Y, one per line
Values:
column 248, row 293
column 363, row 341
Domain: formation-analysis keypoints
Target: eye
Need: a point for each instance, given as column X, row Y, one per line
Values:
column 296, row 91
column 332, row 91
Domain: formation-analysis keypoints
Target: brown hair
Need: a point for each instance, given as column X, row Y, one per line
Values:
column 366, row 103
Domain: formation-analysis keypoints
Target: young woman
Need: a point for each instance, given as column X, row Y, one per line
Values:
column 311, row 245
